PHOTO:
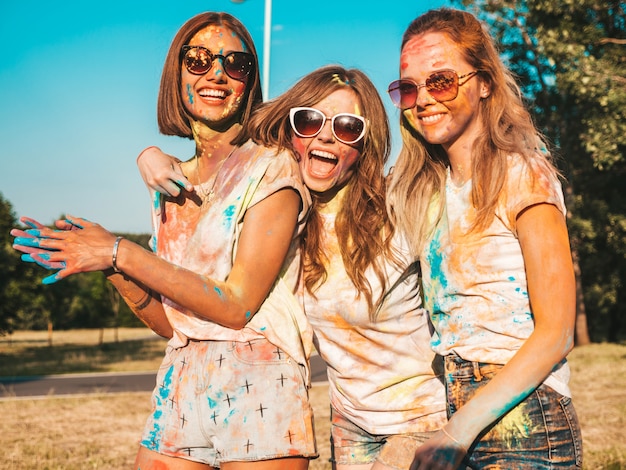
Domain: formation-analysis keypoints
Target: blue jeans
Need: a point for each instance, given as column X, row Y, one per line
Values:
column 540, row 433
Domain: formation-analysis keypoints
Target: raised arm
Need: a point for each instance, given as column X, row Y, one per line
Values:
column 266, row 236
column 161, row 172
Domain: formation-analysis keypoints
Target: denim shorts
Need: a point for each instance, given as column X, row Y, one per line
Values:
column 353, row 445
column 223, row 401
column 540, row 433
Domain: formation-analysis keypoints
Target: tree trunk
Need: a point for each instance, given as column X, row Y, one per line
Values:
column 581, row 334
column 50, row 333
column 114, row 298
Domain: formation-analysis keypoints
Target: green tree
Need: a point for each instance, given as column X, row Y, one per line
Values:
column 9, row 274
column 85, row 300
column 569, row 56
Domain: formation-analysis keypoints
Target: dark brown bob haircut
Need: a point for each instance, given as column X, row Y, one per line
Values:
column 172, row 116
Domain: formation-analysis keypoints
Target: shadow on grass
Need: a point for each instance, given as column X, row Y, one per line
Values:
column 21, row 361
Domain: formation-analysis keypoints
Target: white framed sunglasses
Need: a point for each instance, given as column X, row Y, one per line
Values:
column 346, row 127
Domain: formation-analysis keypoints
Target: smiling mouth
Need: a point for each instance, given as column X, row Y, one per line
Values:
column 212, row 93
column 322, row 163
column 431, row 119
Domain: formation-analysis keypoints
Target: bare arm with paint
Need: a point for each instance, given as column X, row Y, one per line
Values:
column 266, row 236
column 144, row 303
column 161, row 172
column 545, row 246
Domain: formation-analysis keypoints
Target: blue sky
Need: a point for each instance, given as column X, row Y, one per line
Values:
column 79, row 82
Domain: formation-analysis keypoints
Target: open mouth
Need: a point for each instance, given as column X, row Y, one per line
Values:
column 212, row 93
column 431, row 119
column 322, row 163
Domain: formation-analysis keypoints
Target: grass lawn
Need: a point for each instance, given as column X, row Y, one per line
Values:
column 102, row 431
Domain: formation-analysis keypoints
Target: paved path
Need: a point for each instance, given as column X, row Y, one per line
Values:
column 76, row 384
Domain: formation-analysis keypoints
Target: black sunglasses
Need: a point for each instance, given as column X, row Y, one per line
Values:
column 442, row 85
column 199, row 60
column 308, row 122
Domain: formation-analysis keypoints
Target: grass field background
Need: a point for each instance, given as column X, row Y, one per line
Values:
column 101, row 431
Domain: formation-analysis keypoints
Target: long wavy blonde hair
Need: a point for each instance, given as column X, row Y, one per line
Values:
column 418, row 178
column 362, row 224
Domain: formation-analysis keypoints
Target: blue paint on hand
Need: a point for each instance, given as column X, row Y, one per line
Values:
column 51, row 279
column 24, row 241
column 73, row 223
column 30, row 223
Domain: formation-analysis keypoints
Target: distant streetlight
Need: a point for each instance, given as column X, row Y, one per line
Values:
column 267, row 38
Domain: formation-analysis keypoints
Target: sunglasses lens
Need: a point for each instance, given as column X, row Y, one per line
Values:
column 348, row 128
column 307, row 122
column 198, row 61
column 238, row 64
column 443, row 86
column 403, row 93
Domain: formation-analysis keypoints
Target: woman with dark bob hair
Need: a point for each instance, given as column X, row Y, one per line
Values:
column 232, row 391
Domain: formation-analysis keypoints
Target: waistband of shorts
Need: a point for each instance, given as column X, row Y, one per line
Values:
column 456, row 365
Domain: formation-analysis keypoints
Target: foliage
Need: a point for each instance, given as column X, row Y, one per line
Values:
column 569, row 57
column 10, row 276
column 80, row 301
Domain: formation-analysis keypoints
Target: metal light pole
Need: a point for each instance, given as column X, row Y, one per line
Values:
column 267, row 39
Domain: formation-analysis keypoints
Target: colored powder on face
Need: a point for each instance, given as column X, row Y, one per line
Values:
column 218, row 292
column 189, row 93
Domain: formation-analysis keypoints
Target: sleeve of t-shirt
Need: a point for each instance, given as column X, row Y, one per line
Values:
column 281, row 171
column 528, row 184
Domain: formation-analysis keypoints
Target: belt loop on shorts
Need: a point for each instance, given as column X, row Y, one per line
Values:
column 477, row 375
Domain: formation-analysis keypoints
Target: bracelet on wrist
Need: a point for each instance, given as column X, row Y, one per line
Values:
column 143, row 302
column 447, row 434
column 114, row 255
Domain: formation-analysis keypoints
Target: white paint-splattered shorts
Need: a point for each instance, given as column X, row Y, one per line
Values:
column 222, row 401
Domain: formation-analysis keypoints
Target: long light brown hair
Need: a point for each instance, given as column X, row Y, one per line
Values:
column 173, row 117
column 362, row 224
column 508, row 129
